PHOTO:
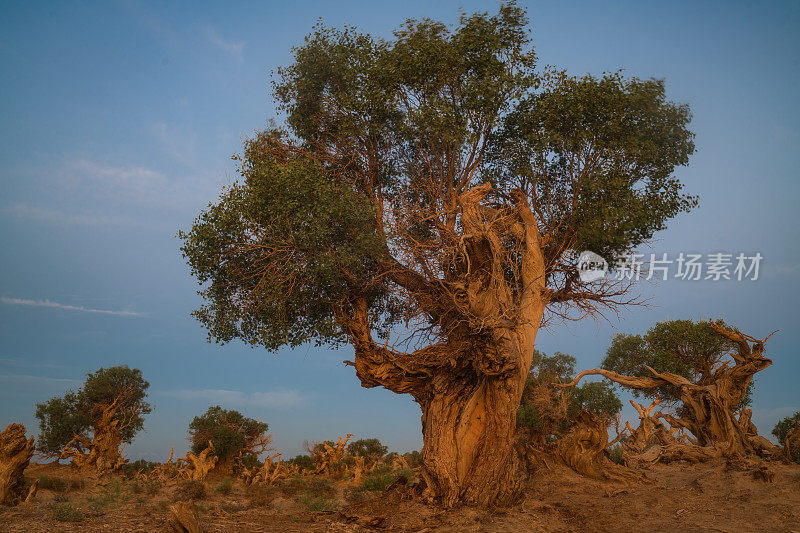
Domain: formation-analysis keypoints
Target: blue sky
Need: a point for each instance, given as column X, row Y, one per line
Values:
column 117, row 123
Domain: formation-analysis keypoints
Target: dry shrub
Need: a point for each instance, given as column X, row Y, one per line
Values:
column 191, row 490
column 260, row 495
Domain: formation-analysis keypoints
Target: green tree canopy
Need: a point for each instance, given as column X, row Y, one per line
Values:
column 358, row 193
column 63, row 417
column 231, row 433
column 783, row 427
column 684, row 347
column 367, row 448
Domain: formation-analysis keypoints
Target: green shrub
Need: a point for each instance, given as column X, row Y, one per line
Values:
column 382, row 477
column 318, row 504
column 110, row 495
column 225, row 487
column 65, row 512
column 616, row 454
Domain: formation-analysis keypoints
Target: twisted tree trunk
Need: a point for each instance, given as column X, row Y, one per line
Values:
column 15, row 454
column 469, row 386
column 104, row 452
column 709, row 410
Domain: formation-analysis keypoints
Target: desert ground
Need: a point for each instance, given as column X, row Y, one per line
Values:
column 681, row 497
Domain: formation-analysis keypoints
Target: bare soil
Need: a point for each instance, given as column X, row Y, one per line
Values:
column 682, row 497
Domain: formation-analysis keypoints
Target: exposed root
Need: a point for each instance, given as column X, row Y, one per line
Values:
column 584, row 450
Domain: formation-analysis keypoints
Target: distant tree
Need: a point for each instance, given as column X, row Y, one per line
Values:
column 438, row 178
column 549, row 411
column 304, row 461
column 787, row 431
column 371, row 449
column 80, row 413
column 233, row 435
column 783, row 427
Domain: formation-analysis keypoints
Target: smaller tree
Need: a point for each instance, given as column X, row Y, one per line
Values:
column 234, row 437
column 369, row 449
column 90, row 425
column 787, row 431
column 684, row 347
column 709, row 396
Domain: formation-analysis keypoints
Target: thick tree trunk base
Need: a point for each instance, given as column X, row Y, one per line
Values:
column 469, row 453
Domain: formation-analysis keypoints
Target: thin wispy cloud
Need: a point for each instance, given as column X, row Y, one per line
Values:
column 54, row 216
column 131, row 183
column 272, row 399
column 55, row 305
column 133, row 186
column 19, row 362
column 231, row 47
column 28, row 378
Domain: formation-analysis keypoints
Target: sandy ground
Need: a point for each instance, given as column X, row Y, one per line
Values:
column 682, row 497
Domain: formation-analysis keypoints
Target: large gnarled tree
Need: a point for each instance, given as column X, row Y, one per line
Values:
column 423, row 203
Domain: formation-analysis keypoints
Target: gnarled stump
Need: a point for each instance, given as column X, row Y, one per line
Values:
column 197, row 467
column 329, row 458
column 15, row 455
column 184, row 518
column 584, row 449
column 269, row 473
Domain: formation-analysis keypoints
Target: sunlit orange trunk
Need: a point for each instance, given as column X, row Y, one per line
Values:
column 468, row 426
